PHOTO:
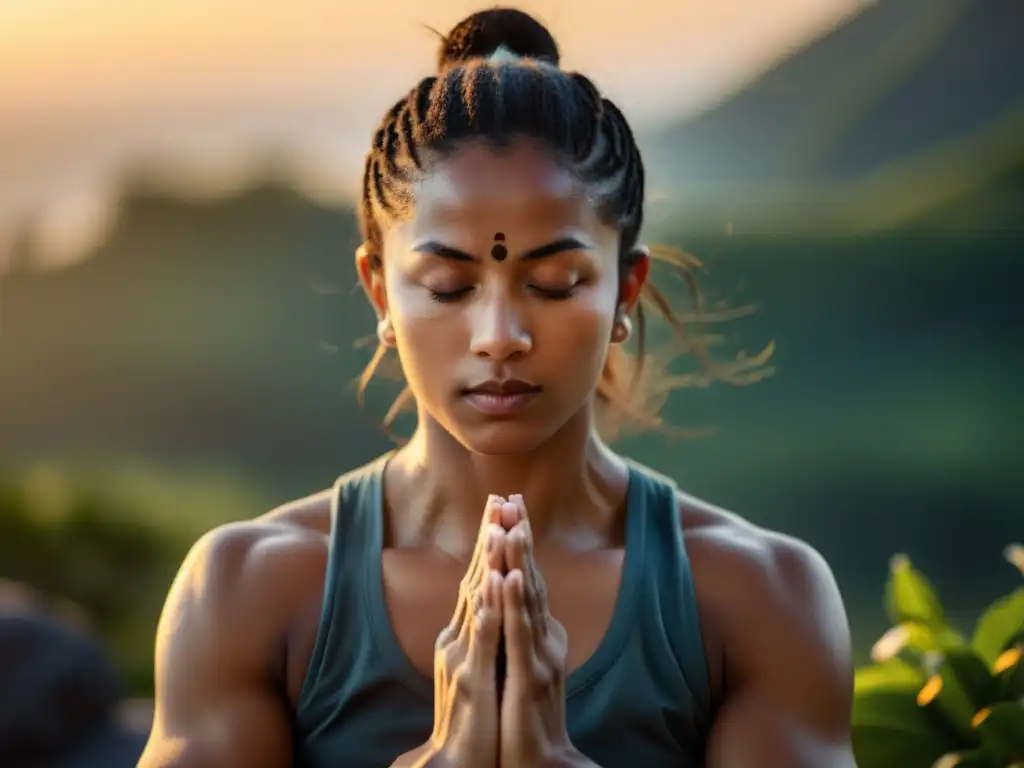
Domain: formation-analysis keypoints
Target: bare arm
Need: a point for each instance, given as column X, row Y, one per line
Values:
column 215, row 705
column 788, row 658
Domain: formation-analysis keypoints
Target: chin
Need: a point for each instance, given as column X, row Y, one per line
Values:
column 501, row 438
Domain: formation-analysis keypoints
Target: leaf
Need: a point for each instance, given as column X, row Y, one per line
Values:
column 973, row 758
column 944, row 698
column 914, row 636
column 972, row 676
column 999, row 625
column 893, row 709
column 909, row 596
column 889, row 729
column 1010, row 670
column 891, row 675
column 881, row 746
column 1002, row 730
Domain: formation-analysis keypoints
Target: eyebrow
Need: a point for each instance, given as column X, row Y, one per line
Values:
column 435, row 248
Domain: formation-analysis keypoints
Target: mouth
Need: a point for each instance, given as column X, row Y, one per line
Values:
column 501, row 398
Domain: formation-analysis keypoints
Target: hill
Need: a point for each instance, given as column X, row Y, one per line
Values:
column 901, row 109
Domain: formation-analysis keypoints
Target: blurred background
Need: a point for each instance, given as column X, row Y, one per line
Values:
column 179, row 313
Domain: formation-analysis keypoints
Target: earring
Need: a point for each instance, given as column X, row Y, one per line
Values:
column 385, row 332
column 622, row 329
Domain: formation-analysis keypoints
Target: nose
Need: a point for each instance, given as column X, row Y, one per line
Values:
column 499, row 332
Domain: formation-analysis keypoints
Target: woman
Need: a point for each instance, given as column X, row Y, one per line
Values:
column 504, row 589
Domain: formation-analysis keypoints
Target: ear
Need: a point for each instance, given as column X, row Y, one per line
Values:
column 371, row 277
column 633, row 280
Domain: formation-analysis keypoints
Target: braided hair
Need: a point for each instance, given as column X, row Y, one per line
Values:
column 498, row 79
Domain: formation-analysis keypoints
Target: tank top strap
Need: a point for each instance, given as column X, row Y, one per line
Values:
column 670, row 600
column 342, row 644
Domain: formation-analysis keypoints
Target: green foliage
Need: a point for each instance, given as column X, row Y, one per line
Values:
column 934, row 699
column 110, row 545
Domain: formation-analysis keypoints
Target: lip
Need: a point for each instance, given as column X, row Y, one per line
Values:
column 501, row 398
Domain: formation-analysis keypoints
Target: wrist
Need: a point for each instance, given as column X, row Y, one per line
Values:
column 425, row 756
column 569, row 757
column 432, row 757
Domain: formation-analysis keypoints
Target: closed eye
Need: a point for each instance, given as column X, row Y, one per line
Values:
column 556, row 294
column 552, row 294
column 447, row 297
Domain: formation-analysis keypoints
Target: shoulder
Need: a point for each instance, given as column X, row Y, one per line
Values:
column 250, row 548
column 268, row 562
column 740, row 556
column 772, row 605
column 250, row 573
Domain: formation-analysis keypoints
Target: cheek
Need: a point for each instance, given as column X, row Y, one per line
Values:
column 577, row 330
column 426, row 329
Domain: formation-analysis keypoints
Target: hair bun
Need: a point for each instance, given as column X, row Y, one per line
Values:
column 480, row 35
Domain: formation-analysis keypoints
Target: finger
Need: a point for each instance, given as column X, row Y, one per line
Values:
column 517, row 499
column 496, row 549
column 515, row 547
column 517, row 628
column 511, row 514
column 535, row 587
column 492, row 511
column 491, row 517
column 487, row 621
column 470, row 590
column 478, row 562
column 525, row 545
column 519, row 555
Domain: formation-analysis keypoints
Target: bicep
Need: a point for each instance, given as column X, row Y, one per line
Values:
column 792, row 665
column 214, row 702
column 757, row 728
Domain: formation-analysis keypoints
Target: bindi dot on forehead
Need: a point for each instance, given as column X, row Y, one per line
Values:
column 499, row 251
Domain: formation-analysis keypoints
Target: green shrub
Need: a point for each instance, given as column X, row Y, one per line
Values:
column 110, row 544
column 934, row 698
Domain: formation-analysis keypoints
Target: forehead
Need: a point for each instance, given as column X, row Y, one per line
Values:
column 521, row 184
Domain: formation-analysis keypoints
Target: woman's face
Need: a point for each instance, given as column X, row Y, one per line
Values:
column 501, row 289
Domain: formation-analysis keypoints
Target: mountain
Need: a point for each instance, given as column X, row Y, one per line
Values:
column 198, row 332
column 904, row 107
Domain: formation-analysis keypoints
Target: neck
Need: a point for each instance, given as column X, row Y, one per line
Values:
column 572, row 486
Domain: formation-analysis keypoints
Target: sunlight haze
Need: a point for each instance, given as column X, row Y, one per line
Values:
column 90, row 88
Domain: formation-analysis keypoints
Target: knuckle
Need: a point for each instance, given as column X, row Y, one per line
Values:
column 559, row 633
column 462, row 681
column 452, row 656
column 543, row 678
column 448, row 635
column 444, row 638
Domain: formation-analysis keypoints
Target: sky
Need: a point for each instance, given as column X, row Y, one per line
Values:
column 192, row 89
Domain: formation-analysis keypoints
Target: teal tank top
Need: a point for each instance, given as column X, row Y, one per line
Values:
column 642, row 699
